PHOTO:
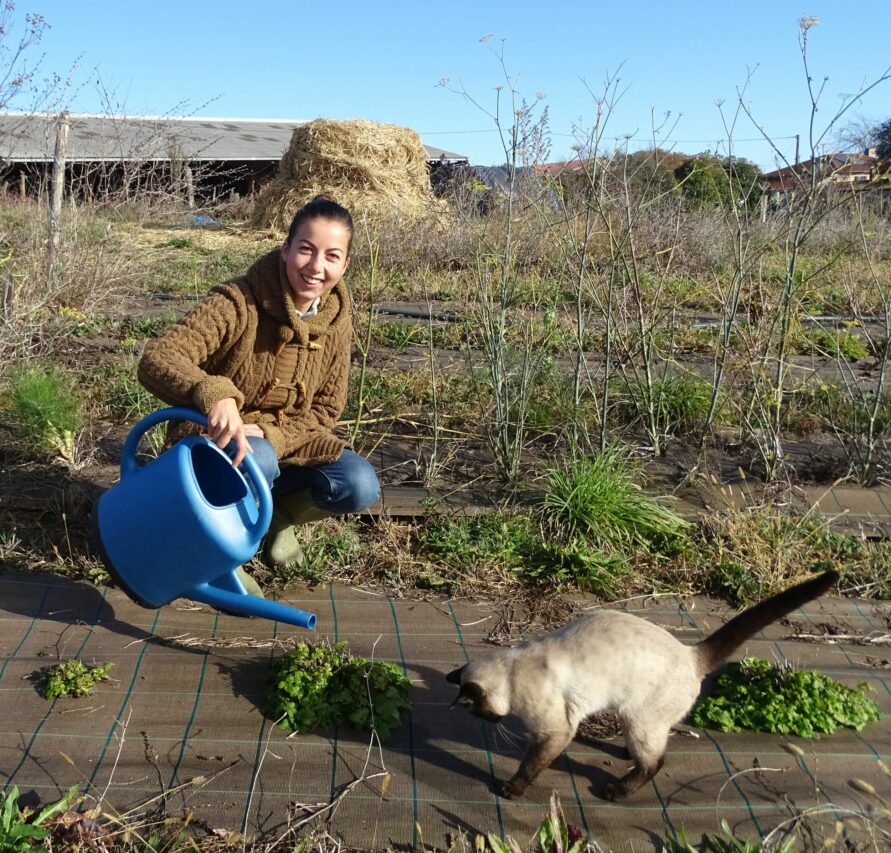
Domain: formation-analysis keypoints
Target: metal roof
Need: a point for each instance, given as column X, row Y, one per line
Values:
column 30, row 137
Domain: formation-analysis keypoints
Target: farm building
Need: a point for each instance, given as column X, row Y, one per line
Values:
column 198, row 159
column 849, row 172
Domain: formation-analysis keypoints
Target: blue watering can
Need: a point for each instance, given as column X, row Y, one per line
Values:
column 181, row 525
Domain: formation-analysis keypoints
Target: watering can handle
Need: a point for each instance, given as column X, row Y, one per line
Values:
column 180, row 413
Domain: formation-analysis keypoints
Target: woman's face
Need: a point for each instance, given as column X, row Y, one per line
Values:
column 316, row 259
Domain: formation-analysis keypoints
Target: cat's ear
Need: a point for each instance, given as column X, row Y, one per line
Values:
column 454, row 677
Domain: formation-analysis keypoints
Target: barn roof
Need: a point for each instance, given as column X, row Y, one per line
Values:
column 30, row 137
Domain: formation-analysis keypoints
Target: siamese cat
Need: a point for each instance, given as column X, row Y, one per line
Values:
column 609, row 661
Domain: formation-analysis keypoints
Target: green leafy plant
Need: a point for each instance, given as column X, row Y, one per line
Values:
column 22, row 830
column 554, row 834
column 599, row 499
column 466, row 542
column 72, row 677
column 124, row 397
column 324, row 550
column 316, row 686
column 834, row 344
column 755, row 694
column 45, row 407
column 397, row 335
column 729, row 842
column 148, row 326
column 576, row 562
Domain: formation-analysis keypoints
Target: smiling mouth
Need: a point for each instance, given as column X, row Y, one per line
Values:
column 312, row 282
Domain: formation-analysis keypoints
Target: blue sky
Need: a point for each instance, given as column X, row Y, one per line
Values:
column 383, row 60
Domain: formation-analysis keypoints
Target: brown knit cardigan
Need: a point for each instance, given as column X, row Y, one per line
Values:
column 245, row 340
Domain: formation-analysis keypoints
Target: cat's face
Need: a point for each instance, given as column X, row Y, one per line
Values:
column 481, row 697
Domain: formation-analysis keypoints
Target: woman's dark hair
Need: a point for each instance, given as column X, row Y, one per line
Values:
column 322, row 207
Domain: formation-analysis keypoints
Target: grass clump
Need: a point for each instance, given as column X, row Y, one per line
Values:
column 121, row 395
column 599, row 500
column 679, row 403
column 832, row 343
column 72, row 677
column 745, row 555
column 757, row 695
column 45, row 408
column 316, row 686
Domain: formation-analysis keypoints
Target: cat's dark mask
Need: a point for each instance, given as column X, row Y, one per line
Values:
column 472, row 697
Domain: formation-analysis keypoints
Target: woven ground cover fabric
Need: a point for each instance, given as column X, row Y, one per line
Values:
column 181, row 718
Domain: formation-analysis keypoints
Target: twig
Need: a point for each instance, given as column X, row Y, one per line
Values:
column 322, row 808
column 117, row 757
column 869, row 639
column 742, row 773
column 256, row 776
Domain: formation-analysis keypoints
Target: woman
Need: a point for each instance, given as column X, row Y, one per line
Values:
column 266, row 358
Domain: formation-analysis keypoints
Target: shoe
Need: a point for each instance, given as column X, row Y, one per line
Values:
column 249, row 584
column 283, row 546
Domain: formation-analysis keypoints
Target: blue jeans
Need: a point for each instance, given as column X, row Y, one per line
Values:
column 347, row 485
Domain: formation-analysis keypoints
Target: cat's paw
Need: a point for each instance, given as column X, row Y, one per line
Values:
column 510, row 790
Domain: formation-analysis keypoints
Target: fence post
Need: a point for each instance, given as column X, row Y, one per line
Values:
column 57, row 189
column 190, row 186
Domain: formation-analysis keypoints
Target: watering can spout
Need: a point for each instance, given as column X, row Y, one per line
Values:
column 251, row 605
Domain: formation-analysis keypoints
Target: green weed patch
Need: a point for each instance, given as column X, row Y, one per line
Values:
column 72, row 677
column 45, row 408
column 757, row 695
column 317, row 686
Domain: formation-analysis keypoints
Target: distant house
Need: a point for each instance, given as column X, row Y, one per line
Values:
column 849, row 172
column 561, row 168
column 207, row 158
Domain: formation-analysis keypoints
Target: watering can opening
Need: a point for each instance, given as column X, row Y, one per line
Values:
column 220, row 484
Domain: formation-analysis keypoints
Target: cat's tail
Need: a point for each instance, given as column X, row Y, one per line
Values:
column 717, row 647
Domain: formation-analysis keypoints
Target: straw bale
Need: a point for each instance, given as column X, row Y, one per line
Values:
column 377, row 171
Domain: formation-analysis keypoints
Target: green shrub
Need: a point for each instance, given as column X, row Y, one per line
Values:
column 757, row 695
column 72, row 677
column 316, row 687
column 598, row 499
column 45, row 407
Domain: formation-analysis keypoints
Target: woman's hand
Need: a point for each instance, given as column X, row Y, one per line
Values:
column 224, row 424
